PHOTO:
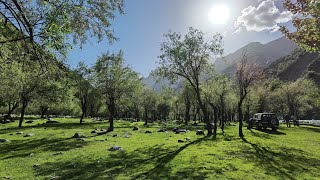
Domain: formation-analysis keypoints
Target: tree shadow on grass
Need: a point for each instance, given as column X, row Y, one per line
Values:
column 144, row 163
column 313, row 129
column 288, row 163
column 269, row 131
column 23, row 148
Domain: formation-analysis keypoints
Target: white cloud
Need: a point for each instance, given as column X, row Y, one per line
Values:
column 264, row 17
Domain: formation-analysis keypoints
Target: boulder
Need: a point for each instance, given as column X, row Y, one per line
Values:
column 162, row 130
column 94, row 131
column 148, row 132
column 28, row 135
column 115, row 148
column 200, row 132
column 115, row 135
column 180, row 141
column 135, row 129
column 78, row 135
column 19, row 132
column 4, row 140
column 187, row 139
column 181, row 131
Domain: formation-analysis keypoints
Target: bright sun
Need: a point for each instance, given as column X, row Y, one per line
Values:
column 219, row 14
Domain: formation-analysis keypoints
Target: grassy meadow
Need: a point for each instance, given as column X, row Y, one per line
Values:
column 51, row 152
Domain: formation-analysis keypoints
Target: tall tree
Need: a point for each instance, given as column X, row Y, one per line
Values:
column 82, row 79
column 306, row 22
column 187, row 57
column 246, row 75
column 114, row 80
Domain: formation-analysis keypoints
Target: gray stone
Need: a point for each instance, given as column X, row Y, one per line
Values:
column 115, row 135
column 57, row 153
column 200, row 132
column 115, row 148
column 94, row 131
column 180, row 141
column 19, row 132
column 4, row 140
column 28, row 135
column 162, row 130
column 148, row 132
column 135, row 129
column 187, row 139
column 78, row 135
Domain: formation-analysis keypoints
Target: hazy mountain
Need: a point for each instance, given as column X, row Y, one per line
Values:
column 262, row 54
column 298, row 64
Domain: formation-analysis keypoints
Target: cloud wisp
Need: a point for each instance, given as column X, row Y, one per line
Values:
column 264, row 17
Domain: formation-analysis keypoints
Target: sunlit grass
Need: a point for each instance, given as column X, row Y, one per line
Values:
column 52, row 154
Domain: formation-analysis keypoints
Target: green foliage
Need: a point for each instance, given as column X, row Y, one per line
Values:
column 306, row 21
column 50, row 24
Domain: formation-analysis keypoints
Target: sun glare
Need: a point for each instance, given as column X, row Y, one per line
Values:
column 219, row 14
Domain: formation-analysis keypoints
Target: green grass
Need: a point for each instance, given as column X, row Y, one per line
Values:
column 290, row 153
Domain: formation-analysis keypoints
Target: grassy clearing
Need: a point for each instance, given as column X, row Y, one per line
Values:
column 290, row 153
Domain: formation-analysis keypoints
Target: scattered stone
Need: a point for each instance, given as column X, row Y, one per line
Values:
column 188, row 139
column 148, row 132
column 19, row 132
column 115, row 148
column 77, row 135
column 29, row 122
column 115, row 135
column 162, row 130
column 32, row 154
column 80, row 139
column 4, row 140
column 180, row 141
column 28, row 135
column 36, row 165
column 57, row 153
column 174, row 129
column 135, row 129
column 126, row 136
column 94, row 131
column 45, row 128
column 200, row 132
column 52, row 122
column 102, row 132
column 11, row 134
column 6, row 177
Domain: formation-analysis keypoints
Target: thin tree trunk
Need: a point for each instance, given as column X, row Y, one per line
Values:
column 23, row 110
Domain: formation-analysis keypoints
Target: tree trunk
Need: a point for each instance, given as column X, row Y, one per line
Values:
column 112, row 110
column 240, row 119
column 11, row 109
column 187, row 113
column 44, row 111
column 23, row 110
column 145, row 116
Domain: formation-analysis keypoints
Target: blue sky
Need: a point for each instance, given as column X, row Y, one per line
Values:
column 140, row 30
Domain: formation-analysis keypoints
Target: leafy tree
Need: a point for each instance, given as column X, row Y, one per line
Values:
column 297, row 97
column 84, row 88
column 114, row 80
column 246, row 76
column 306, row 21
column 50, row 24
column 149, row 103
column 187, row 57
